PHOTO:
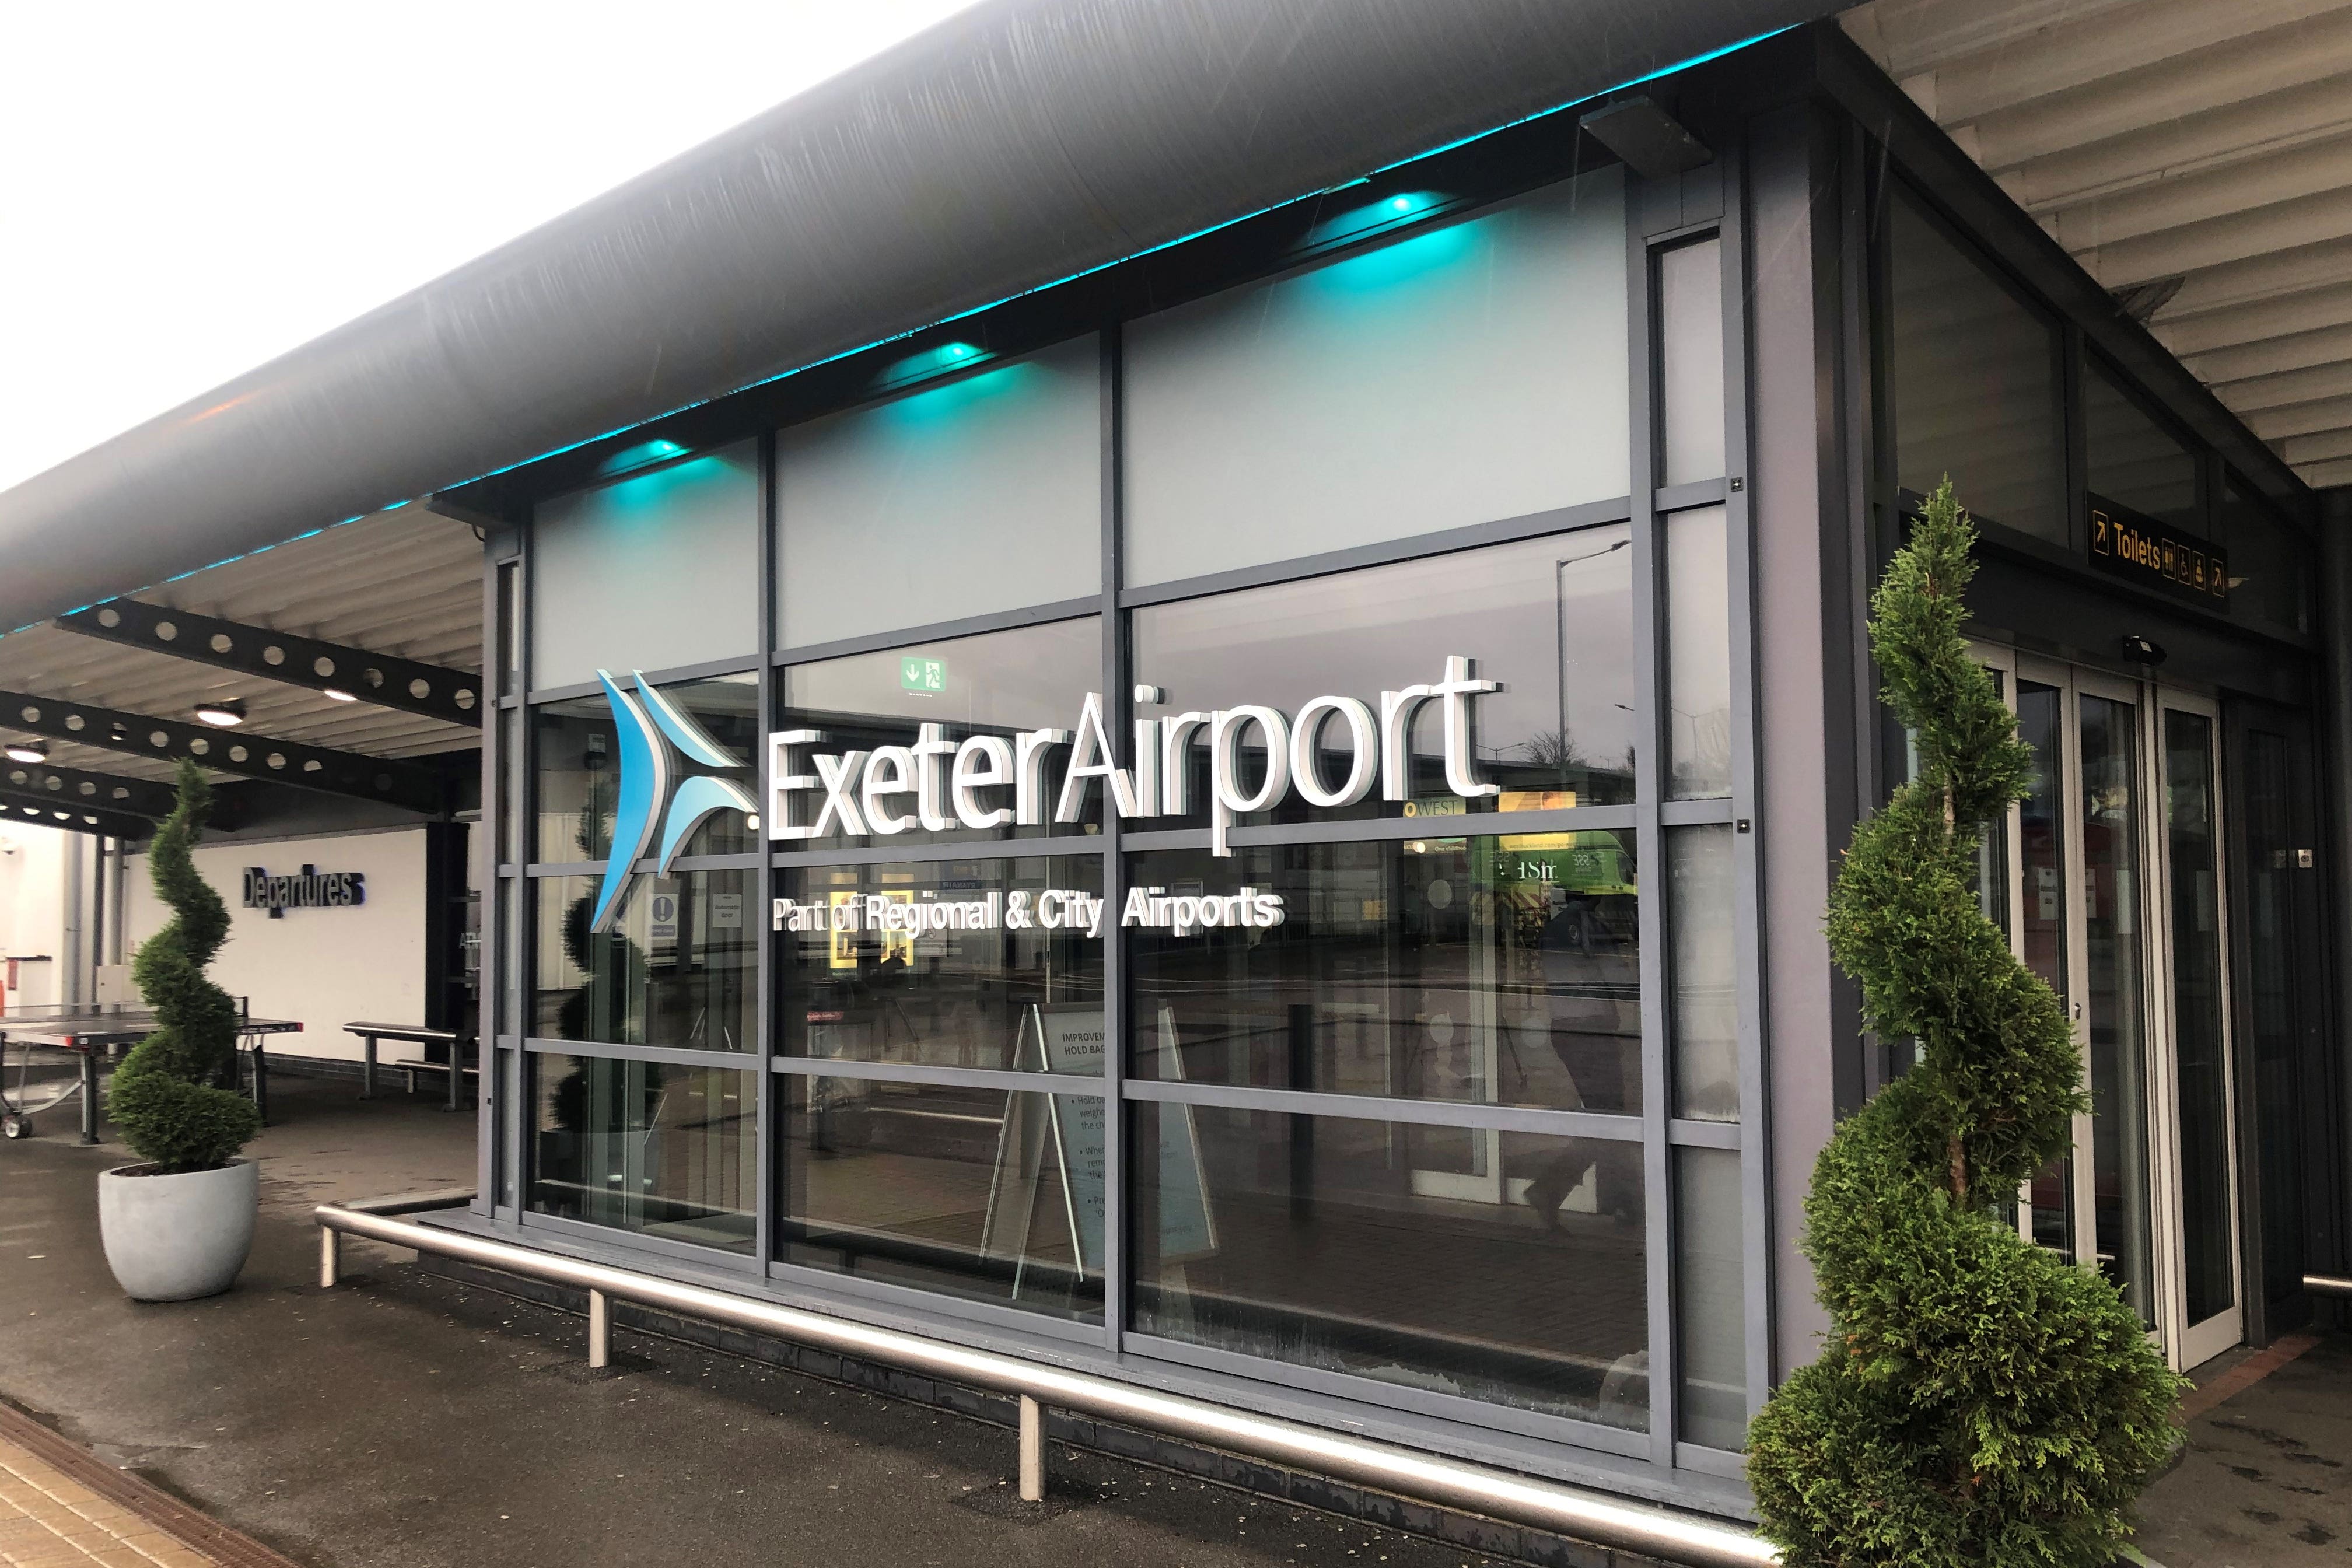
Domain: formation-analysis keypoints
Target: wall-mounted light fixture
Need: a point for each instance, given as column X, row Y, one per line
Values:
column 25, row 752
column 2140, row 650
column 226, row 714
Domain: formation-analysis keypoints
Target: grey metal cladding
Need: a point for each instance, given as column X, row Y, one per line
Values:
column 1007, row 148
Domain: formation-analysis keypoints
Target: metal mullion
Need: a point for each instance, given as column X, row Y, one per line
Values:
column 2082, row 1199
column 489, row 1110
column 1479, row 1115
column 1714, row 810
column 1699, row 492
column 1385, row 553
column 525, row 802
column 1370, row 829
column 620, row 1050
column 940, row 631
column 974, row 850
column 1689, row 1132
column 767, row 1186
column 1753, row 1131
column 1118, row 708
column 1648, row 620
column 739, row 664
column 1012, row 1080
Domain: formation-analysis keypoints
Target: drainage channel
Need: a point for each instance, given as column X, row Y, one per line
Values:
column 1594, row 1516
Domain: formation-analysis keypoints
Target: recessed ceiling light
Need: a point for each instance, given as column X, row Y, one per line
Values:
column 26, row 752
column 225, row 714
column 335, row 694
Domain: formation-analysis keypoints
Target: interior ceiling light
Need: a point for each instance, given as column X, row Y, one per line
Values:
column 225, row 714
column 336, row 694
column 26, row 752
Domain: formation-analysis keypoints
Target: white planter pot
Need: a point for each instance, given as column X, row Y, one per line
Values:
column 174, row 1239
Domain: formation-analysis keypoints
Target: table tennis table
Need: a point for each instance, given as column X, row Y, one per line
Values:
column 93, row 1033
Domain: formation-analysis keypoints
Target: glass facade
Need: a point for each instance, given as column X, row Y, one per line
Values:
column 1245, row 964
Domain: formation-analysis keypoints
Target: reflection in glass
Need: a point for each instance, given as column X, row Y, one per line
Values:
column 2192, row 850
column 977, row 995
column 1491, row 971
column 1458, row 373
column 2281, row 913
column 1698, row 661
column 1700, row 882
column 1992, row 856
column 965, row 497
column 1315, row 1241
column 1975, row 383
column 1710, row 1316
column 975, row 1192
column 2132, row 461
column 1690, row 361
column 661, row 1150
column 2271, row 568
column 677, row 966
column 2043, row 922
column 579, row 781
column 2114, row 998
column 999, row 683
column 1550, row 618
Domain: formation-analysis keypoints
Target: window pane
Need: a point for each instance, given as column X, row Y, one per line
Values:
column 579, row 768
column 1467, row 372
column 1495, row 971
column 982, row 494
column 1701, row 880
column 2201, row 1051
column 996, row 684
column 968, row 989
column 1690, row 353
column 1710, row 1319
column 676, row 967
column 1975, row 385
column 1550, row 618
column 974, row 1192
column 1327, row 1243
column 2133, row 462
column 612, row 566
column 2270, row 564
column 664, row 1151
column 1698, row 663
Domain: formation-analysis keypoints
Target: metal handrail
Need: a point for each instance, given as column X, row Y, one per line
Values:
column 1566, row 1511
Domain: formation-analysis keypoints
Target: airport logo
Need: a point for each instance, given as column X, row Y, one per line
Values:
column 663, row 800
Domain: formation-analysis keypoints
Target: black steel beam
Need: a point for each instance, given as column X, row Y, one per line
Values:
column 436, row 691
column 72, row 787
column 399, row 784
column 32, row 809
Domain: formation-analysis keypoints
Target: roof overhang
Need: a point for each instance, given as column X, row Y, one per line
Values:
column 1016, row 145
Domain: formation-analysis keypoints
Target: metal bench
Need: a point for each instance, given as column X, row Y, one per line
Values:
column 416, row 1035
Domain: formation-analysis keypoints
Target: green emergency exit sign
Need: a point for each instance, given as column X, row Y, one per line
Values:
column 923, row 674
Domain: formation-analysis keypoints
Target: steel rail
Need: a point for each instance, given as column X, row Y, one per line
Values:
column 1571, row 1512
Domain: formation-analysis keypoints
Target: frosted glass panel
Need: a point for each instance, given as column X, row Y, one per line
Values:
column 1690, row 355
column 1465, row 374
column 648, row 573
column 1698, row 655
column 983, row 494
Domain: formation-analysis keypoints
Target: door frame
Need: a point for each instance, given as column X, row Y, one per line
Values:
column 2185, row 1345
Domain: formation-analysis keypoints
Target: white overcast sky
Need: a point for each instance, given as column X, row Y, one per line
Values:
column 189, row 190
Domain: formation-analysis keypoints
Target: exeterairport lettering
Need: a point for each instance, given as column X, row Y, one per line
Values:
column 963, row 782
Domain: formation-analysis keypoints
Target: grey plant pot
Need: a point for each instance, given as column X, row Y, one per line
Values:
column 174, row 1239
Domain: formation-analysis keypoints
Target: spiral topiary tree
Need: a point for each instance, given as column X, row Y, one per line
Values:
column 1980, row 1400
column 165, row 1098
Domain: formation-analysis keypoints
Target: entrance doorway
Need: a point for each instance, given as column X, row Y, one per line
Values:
column 2109, row 880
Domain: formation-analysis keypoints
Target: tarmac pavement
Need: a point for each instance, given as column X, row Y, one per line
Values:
column 404, row 1418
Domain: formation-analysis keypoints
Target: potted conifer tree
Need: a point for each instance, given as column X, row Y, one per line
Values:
column 178, row 1225
column 1979, row 1401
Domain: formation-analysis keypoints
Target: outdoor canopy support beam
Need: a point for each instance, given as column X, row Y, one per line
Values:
column 94, row 791
column 33, row 808
column 400, row 783
column 387, row 681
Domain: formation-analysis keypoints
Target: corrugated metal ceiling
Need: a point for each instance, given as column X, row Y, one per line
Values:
column 2194, row 155
column 407, row 583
